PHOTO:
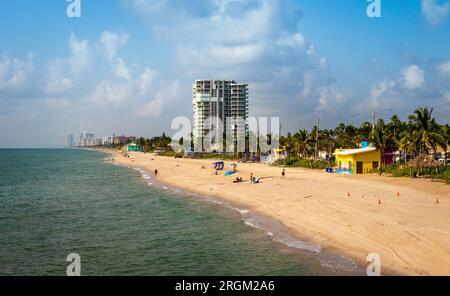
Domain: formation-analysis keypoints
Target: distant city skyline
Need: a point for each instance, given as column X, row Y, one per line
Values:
column 127, row 66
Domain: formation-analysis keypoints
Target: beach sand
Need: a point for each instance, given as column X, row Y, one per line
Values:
column 410, row 231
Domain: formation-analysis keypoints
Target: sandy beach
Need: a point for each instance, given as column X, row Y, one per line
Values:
column 353, row 216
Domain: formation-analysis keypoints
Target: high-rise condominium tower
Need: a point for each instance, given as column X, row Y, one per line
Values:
column 220, row 106
column 87, row 139
column 70, row 141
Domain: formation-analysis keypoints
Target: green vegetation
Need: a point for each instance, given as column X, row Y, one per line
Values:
column 305, row 163
column 156, row 143
column 441, row 173
column 419, row 135
column 444, row 174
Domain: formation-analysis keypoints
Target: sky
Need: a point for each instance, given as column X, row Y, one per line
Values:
column 127, row 66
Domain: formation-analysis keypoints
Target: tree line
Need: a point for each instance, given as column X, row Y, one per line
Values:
column 420, row 134
column 156, row 143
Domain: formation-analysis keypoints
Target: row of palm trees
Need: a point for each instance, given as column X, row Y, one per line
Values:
column 419, row 135
column 156, row 143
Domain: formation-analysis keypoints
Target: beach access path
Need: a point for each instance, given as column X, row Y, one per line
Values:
column 406, row 221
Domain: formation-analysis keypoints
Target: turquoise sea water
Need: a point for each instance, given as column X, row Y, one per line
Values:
column 57, row 202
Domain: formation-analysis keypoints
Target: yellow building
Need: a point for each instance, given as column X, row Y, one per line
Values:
column 357, row 161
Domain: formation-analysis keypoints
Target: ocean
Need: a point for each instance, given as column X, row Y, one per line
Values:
column 57, row 202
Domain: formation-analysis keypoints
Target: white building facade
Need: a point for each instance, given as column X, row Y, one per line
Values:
column 220, row 108
column 87, row 139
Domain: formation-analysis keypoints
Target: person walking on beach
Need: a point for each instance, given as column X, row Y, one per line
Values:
column 283, row 173
column 156, row 173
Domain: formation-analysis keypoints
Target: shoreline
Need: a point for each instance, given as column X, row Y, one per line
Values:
column 341, row 264
column 324, row 229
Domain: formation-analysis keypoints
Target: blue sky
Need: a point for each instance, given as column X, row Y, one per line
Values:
column 126, row 66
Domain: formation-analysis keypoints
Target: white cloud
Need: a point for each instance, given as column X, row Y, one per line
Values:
column 15, row 74
column 62, row 74
column 329, row 97
column 434, row 12
column 123, row 87
column 166, row 95
column 444, row 68
column 108, row 93
column 408, row 90
column 197, row 21
column 58, row 79
column 413, row 77
column 219, row 55
column 57, row 103
column 122, row 71
column 323, row 63
column 446, row 95
column 112, row 41
column 80, row 57
column 145, row 80
column 294, row 40
column 256, row 41
column 380, row 89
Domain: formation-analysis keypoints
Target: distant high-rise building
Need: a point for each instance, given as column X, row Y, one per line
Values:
column 219, row 101
column 107, row 141
column 87, row 139
column 70, row 141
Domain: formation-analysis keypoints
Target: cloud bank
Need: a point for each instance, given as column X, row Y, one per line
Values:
column 94, row 86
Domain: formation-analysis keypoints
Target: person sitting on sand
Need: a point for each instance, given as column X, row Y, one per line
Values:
column 254, row 180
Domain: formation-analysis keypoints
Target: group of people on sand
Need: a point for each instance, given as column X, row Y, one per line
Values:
column 238, row 180
column 254, row 180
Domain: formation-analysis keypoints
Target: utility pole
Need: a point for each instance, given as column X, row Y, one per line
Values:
column 373, row 119
column 317, row 139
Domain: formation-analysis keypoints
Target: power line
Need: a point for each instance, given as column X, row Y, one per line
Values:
column 441, row 111
column 443, row 104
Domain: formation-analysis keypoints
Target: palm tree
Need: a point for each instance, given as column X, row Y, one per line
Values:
column 363, row 132
column 288, row 144
column 395, row 124
column 327, row 141
column 301, row 142
column 346, row 136
column 407, row 143
column 445, row 133
column 426, row 133
column 379, row 137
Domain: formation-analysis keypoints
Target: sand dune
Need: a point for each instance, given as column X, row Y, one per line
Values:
column 411, row 232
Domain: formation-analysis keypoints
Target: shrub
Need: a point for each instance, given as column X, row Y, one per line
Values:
column 305, row 163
